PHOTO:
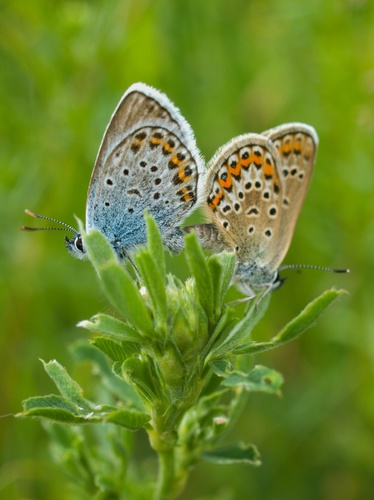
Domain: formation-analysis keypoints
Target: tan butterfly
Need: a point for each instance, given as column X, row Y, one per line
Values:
column 255, row 188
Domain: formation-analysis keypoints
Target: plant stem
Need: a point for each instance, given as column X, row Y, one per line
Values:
column 170, row 481
column 166, row 487
column 172, row 471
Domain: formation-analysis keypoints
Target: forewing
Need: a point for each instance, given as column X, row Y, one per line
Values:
column 244, row 193
column 296, row 144
column 149, row 160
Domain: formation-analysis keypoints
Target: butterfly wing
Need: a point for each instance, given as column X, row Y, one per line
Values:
column 244, row 193
column 148, row 160
column 211, row 237
column 296, row 144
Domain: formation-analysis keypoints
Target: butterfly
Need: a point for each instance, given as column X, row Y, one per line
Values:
column 255, row 188
column 148, row 160
column 252, row 192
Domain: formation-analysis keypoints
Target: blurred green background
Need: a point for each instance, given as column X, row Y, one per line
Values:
column 232, row 67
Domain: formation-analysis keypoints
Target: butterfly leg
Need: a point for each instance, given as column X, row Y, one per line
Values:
column 251, row 295
column 245, row 289
column 269, row 288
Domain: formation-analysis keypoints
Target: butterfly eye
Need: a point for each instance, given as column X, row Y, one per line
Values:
column 277, row 281
column 78, row 243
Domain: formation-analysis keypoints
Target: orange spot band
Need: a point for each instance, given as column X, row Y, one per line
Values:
column 155, row 141
column 286, row 148
column 176, row 161
column 182, row 175
column 268, row 169
column 226, row 183
column 245, row 162
column 217, row 199
column 235, row 170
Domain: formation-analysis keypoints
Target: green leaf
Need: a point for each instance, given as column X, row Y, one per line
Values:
column 155, row 245
column 51, row 401
column 221, row 367
column 58, row 409
column 118, row 284
column 200, row 271
column 114, row 350
column 234, row 454
column 253, row 347
column 295, row 327
column 208, row 402
column 198, row 423
column 216, row 271
column 87, row 352
column 221, row 268
column 259, row 379
column 221, row 329
column 69, row 389
column 156, row 288
column 59, row 415
column 113, row 383
column 117, row 370
column 142, row 373
column 130, row 419
column 112, row 327
column 225, row 344
column 307, row 317
column 228, row 260
column 98, row 248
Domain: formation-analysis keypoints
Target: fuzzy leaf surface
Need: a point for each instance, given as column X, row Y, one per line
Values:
column 112, row 327
column 306, row 319
column 197, row 263
column 131, row 419
column 259, row 379
column 225, row 344
column 155, row 245
column 234, row 454
column 68, row 388
column 156, row 289
column 119, row 286
column 116, row 351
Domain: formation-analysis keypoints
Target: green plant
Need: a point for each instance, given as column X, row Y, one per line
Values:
column 180, row 369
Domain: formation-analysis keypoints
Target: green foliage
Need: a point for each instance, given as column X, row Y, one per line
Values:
column 294, row 328
column 232, row 68
column 118, row 284
column 73, row 408
column 239, row 453
column 171, row 341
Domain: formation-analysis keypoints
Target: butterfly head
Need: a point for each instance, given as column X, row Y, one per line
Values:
column 251, row 277
column 75, row 246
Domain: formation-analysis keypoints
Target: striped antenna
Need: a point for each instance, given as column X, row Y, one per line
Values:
column 37, row 216
column 295, row 267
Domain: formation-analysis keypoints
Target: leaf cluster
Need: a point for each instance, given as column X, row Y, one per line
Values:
column 172, row 348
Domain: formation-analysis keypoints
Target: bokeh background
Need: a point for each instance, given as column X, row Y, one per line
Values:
column 232, row 67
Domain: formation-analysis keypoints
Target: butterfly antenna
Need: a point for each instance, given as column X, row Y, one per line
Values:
column 37, row 216
column 316, row 268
